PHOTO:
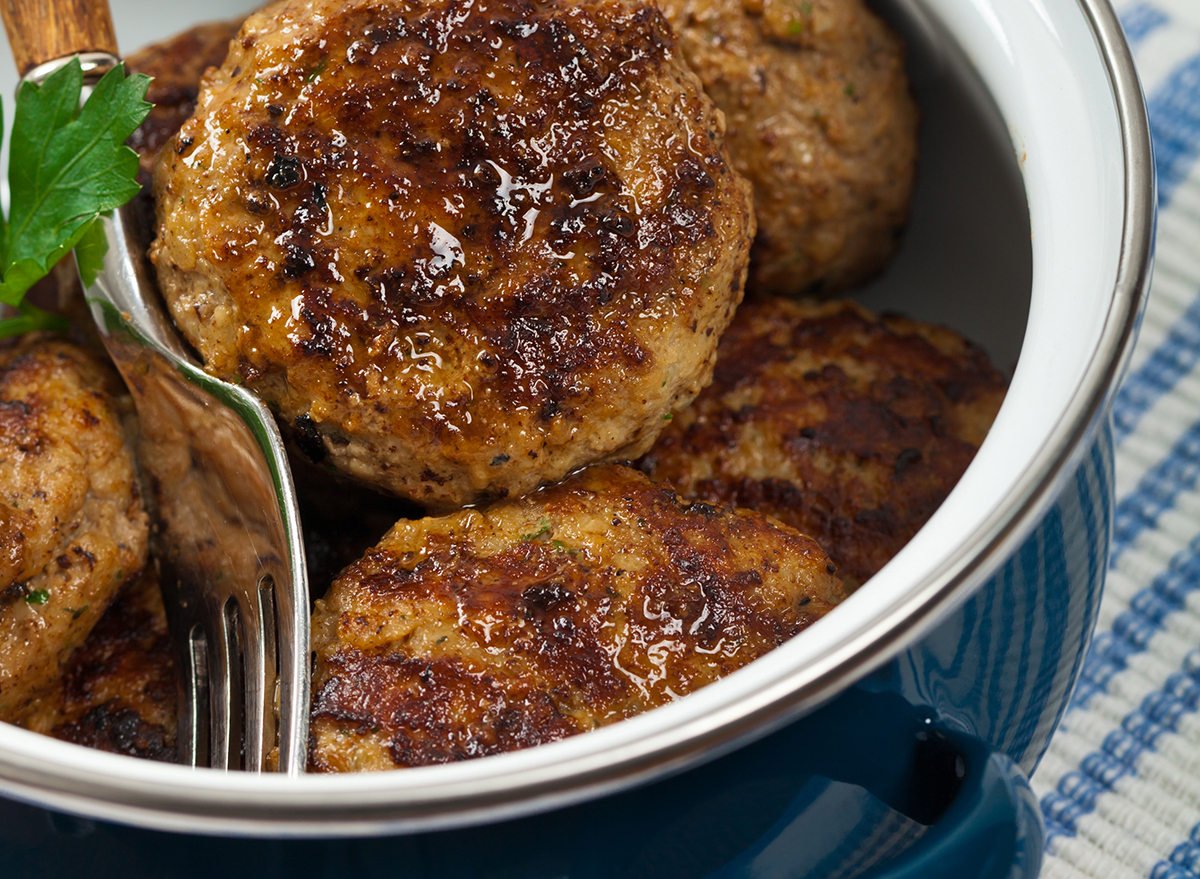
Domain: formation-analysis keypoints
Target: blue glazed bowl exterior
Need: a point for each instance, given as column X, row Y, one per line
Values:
column 1003, row 666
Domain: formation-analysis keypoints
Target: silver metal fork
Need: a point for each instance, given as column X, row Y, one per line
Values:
column 228, row 539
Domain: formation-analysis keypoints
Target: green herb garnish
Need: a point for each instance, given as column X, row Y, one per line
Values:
column 543, row 527
column 67, row 165
column 317, row 71
column 37, row 596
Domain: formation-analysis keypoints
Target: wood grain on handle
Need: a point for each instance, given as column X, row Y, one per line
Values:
column 42, row 30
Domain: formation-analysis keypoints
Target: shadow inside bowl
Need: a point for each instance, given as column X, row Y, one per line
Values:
column 966, row 260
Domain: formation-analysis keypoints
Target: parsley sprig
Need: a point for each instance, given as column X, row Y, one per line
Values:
column 67, row 165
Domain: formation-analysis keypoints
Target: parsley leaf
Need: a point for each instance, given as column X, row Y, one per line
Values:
column 30, row 318
column 90, row 250
column 543, row 528
column 67, row 165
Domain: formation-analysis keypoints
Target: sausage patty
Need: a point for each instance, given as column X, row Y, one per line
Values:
column 72, row 528
column 176, row 65
column 850, row 428
column 118, row 691
column 820, row 119
column 536, row 619
column 464, row 248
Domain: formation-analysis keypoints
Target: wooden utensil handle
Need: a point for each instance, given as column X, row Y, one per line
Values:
column 42, row 30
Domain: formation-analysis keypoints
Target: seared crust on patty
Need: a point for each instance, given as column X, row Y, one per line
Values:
column 463, row 248
column 118, row 691
column 850, row 428
column 820, row 120
column 572, row 608
column 72, row 528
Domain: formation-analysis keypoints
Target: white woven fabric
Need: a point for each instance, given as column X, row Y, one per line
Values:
column 1120, row 785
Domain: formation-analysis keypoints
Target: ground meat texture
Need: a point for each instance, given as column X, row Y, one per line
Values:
column 118, row 691
column 72, row 528
column 821, row 120
column 464, row 249
column 532, row 620
column 850, row 428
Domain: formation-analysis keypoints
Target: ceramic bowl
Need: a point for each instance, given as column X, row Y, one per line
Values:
column 902, row 725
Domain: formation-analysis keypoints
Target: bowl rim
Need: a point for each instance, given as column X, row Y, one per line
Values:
column 51, row 773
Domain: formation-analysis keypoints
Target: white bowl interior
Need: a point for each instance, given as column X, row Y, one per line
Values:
column 967, row 263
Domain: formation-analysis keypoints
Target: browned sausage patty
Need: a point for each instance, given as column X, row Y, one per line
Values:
column 572, row 608
column 72, row 528
column 850, row 428
column 464, row 249
column 820, row 120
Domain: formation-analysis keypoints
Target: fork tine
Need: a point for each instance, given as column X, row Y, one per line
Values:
column 222, row 692
column 292, row 621
column 189, row 646
column 192, row 737
column 258, row 674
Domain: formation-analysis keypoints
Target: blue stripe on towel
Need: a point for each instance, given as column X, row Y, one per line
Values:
column 1173, row 359
column 1134, row 627
column 1140, row 19
column 1175, row 127
column 1184, row 862
column 1139, row 733
column 1138, row 512
column 1157, row 491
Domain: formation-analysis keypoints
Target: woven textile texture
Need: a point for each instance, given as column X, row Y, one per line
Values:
column 1120, row 785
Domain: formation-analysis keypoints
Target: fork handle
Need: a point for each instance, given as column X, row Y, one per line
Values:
column 43, row 30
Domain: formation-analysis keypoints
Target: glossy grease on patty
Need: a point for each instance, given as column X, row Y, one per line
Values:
column 176, row 65
column 464, row 248
column 572, row 608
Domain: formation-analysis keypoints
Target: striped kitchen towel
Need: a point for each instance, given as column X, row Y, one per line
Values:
column 1120, row 785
